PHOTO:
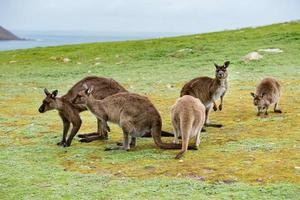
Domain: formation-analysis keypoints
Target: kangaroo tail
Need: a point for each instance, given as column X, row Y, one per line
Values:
column 155, row 132
column 166, row 134
column 163, row 134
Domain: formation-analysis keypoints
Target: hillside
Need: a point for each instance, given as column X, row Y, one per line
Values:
column 7, row 35
column 249, row 158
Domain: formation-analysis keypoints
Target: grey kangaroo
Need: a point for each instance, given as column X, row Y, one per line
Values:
column 134, row 113
column 208, row 90
column 267, row 92
column 187, row 116
column 69, row 112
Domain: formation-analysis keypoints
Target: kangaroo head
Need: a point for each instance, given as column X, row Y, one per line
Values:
column 49, row 102
column 260, row 101
column 83, row 96
column 221, row 70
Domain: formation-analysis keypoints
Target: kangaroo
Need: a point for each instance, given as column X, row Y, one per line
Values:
column 187, row 116
column 208, row 90
column 69, row 112
column 267, row 92
column 134, row 113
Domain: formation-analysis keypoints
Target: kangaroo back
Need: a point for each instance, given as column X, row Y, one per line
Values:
column 188, row 116
column 102, row 87
column 270, row 88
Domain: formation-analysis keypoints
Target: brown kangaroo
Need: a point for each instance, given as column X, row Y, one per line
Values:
column 208, row 90
column 134, row 113
column 187, row 116
column 267, row 92
column 69, row 112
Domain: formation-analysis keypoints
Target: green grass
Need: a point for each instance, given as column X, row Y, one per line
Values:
column 250, row 157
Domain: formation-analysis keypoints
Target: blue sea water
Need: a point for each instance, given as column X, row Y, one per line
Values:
column 55, row 38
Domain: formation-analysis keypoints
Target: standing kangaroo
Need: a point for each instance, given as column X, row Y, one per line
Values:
column 267, row 92
column 208, row 90
column 69, row 112
column 188, row 116
column 134, row 113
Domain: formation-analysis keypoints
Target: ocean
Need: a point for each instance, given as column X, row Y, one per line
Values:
column 56, row 38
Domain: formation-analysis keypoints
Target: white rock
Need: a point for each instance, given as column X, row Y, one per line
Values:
column 119, row 63
column 252, row 56
column 66, row 60
column 97, row 63
column 12, row 62
column 170, row 86
column 271, row 50
column 185, row 50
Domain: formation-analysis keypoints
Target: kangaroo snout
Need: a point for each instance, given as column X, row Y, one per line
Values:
column 41, row 109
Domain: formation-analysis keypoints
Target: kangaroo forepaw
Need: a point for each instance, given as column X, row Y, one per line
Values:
column 179, row 155
column 107, row 129
column 278, row 111
column 220, row 107
column 67, row 144
column 215, row 108
column 61, row 143
column 258, row 114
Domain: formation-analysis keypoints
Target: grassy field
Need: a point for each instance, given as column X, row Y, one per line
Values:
column 250, row 157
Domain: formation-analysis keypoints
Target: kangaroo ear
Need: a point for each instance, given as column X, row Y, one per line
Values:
column 253, row 95
column 217, row 66
column 54, row 94
column 46, row 92
column 86, row 91
column 226, row 64
column 85, row 86
column 90, row 90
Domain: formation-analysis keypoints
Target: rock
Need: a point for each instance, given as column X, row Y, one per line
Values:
column 53, row 58
column 259, row 180
column 119, row 63
column 185, row 50
column 12, row 62
column 7, row 35
column 271, row 50
column 170, row 86
column 97, row 63
column 66, row 60
column 181, row 161
column 97, row 58
column 252, row 56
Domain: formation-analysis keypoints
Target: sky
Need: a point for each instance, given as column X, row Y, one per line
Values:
column 182, row 16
